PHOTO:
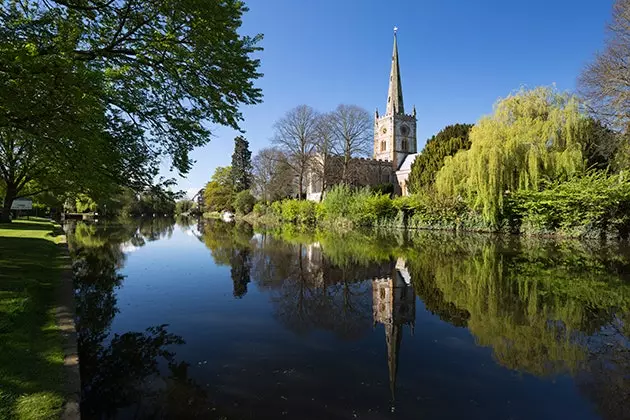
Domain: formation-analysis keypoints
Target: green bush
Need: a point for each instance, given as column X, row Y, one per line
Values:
column 302, row 212
column 244, row 202
column 596, row 204
column 261, row 209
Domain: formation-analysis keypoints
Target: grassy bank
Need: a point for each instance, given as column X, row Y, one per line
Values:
column 31, row 357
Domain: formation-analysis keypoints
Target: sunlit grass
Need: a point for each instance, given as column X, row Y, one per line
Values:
column 31, row 357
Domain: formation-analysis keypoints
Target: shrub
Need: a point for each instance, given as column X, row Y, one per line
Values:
column 596, row 204
column 261, row 209
column 244, row 202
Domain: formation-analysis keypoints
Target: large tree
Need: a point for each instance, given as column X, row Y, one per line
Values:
column 447, row 142
column 352, row 128
column 219, row 192
column 273, row 177
column 605, row 83
column 321, row 165
column 532, row 136
column 241, row 165
column 118, row 84
column 295, row 135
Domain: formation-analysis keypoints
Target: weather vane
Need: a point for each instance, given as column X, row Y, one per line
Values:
column 395, row 29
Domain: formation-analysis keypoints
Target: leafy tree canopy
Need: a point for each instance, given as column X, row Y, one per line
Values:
column 532, row 136
column 447, row 142
column 219, row 192
column 96, row 92
column 241, row 165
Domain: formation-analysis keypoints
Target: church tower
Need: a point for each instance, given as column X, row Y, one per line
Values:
column 395, row 132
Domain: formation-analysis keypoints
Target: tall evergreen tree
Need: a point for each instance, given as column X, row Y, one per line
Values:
column 445, row 143
column 241, row 165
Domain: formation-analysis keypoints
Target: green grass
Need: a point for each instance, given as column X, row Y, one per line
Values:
column 31, row 356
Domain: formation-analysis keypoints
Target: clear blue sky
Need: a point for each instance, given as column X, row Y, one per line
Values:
column 457, row 58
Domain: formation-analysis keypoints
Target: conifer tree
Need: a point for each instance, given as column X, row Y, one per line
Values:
column 447, row 142
column 241, row 165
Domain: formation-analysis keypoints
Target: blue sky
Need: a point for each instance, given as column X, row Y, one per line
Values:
column 457, row 57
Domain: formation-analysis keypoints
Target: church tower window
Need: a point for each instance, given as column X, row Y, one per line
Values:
column 383, row 145
column 405, row 145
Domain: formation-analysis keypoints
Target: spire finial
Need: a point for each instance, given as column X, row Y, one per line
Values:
column 395, row 29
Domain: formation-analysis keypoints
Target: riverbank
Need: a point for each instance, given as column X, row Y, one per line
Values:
column 32, row 380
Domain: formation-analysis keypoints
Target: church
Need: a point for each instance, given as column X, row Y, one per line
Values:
column 395, row 145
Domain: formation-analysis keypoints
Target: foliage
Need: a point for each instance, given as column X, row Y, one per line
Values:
column 532, row 136
column 184, row 206
column 362, row 207
column 447, row 142
column 94, row 93
column 592, row 205
column 219, row 192
column 241, row 165
column 244, row 202
column 301, row 212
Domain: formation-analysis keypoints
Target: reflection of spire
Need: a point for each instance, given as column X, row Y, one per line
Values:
column 393, row 337
column 394, row 305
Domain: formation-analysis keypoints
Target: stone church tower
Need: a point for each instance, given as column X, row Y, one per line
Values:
column 395, row 132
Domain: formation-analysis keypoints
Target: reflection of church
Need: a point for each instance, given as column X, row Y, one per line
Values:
column 394, row 305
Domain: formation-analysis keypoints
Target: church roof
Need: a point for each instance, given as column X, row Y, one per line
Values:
column 394, row 94
column 407, row 162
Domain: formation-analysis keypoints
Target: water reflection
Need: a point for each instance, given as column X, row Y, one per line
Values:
column 549, row 309
column 120, row 373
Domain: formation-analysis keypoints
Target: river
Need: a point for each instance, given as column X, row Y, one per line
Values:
column 216, row 320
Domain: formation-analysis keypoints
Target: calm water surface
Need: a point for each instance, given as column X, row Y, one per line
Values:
column 215, row 320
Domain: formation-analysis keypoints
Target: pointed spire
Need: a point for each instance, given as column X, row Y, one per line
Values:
column 393, row 337
column 394, row 94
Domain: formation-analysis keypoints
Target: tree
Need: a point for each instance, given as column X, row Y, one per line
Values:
column 244, row 202
column 295, row 136
column 219, row 192
column 533, row 136
column 447, row 142
column 352, row 130
column 136, row 80
column 605, row 83
column 184, row 206
column 241, row 165
column 321, row 164
column 273, row 177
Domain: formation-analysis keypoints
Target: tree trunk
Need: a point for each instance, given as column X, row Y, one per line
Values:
column 5, row 216
column 301, row 180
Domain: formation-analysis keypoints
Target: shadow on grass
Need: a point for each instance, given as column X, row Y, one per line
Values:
column 31, row 356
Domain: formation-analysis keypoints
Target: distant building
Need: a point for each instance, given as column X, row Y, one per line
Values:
column 395, row 147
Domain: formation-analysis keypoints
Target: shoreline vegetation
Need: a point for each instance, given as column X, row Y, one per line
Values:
column 593, row 206
column 31, row 354
column 538, row 165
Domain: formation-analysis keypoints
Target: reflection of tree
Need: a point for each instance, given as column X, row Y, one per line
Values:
column 240, row 267
column 544, row 307
column 124, row 372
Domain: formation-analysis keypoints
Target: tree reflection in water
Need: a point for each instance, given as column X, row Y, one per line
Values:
column 544, row 307
column 134, row 374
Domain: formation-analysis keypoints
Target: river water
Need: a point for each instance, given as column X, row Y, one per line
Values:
column 215, row 320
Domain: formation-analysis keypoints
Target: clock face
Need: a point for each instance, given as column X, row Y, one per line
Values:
column 384, row 130
column 404, row 130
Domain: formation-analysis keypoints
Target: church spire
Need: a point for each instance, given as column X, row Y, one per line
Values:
column 394, row 94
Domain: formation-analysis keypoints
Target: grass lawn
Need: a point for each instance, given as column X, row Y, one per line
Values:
column 31, row 356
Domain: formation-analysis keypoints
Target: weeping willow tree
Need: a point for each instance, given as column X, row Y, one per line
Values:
column 532, row 136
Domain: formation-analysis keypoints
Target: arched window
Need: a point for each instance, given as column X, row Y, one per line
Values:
column 383, row 145
column 405, row 145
